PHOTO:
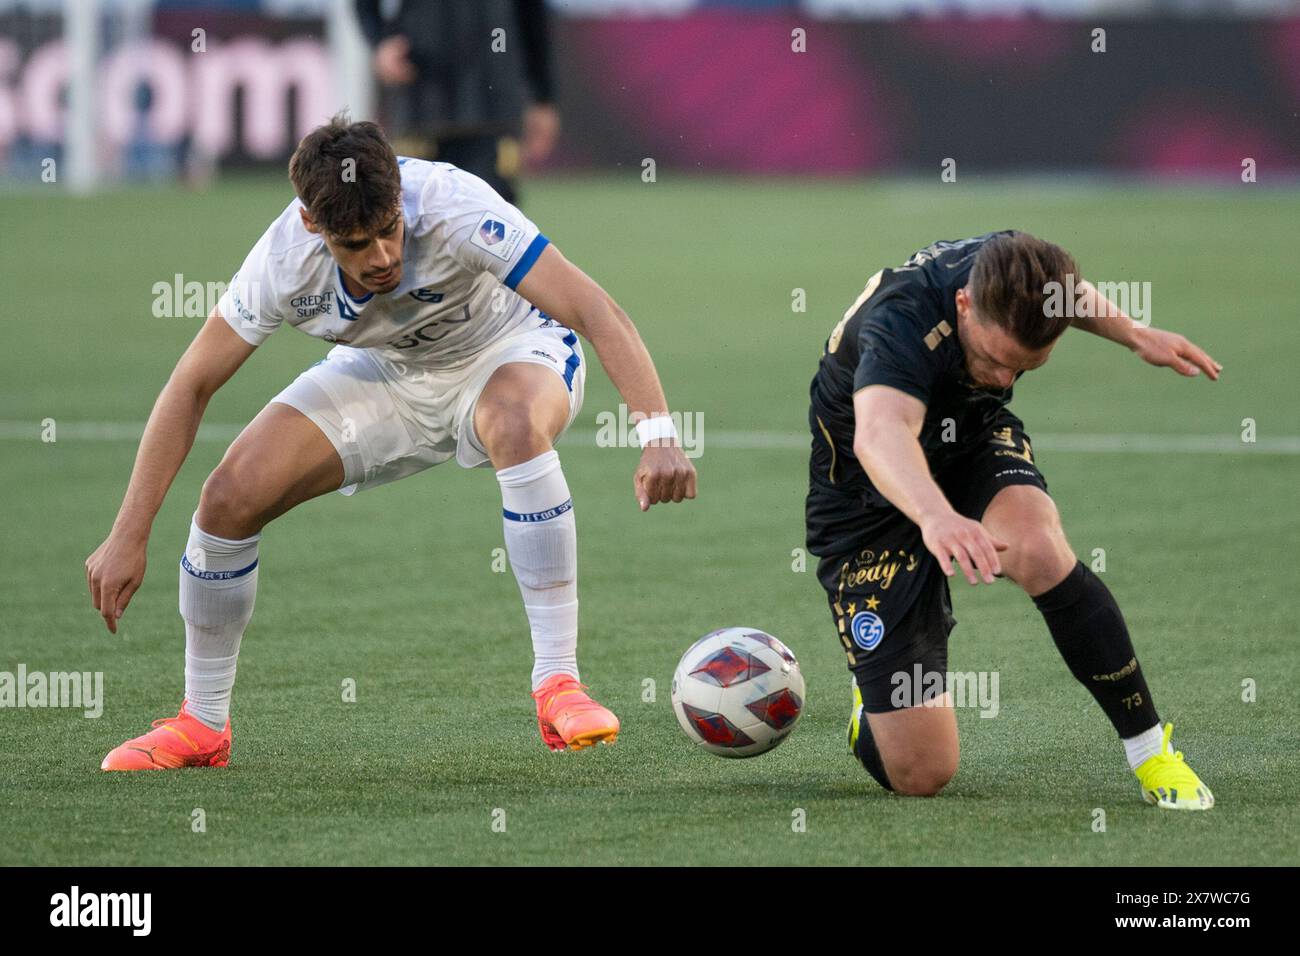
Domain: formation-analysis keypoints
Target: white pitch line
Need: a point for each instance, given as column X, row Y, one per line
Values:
column 1229, row 444
column 102, row 431
column 1084, row 442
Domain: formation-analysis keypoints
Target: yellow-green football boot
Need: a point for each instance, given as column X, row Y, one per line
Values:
column 855, row 720
column 1169, row 783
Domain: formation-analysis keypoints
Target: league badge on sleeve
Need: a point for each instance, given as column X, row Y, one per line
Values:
column 497, row 236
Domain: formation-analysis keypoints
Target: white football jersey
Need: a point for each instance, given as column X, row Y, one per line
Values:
column 465, row 249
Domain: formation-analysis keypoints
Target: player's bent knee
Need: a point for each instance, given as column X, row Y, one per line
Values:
column 228, row 507
column 918, row 747
column 512, row 434
column 519, row 413
column 1039, row 558
column 922, row 776
column 919, row 781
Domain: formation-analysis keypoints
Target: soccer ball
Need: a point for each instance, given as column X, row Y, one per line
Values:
column 738, row 692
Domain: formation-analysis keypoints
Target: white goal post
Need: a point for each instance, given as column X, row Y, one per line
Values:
column 91, row 29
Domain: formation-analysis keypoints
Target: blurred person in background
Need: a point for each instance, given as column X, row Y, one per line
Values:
column 467, row 82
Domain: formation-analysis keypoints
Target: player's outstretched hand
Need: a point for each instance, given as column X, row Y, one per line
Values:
column 113, row 574
column 665, row 474
column 952, row 538
column 1169, row 349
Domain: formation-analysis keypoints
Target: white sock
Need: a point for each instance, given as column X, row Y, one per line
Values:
column 542, row 541
column 218, row 588
column 1144, row 745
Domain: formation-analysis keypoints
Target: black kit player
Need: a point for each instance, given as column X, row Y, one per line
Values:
column 918, row 463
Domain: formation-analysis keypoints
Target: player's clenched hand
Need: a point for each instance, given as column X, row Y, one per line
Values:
column 952, row 538
column 113, row 574
column 1169, row 349
column 665, row 474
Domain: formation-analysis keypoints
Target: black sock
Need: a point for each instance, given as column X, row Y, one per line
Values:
column 1090, row 633
column 867, row 754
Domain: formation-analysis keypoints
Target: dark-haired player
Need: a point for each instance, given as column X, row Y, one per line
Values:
column 452, row 316
column 917, row 463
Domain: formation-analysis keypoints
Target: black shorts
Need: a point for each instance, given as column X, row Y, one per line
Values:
column 888, row 596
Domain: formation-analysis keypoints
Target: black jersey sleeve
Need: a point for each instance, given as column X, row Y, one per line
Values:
column 893, row 351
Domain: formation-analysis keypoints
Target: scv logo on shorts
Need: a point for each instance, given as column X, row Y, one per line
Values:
column 868, row 630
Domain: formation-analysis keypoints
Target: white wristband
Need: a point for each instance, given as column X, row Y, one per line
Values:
column 654, row 429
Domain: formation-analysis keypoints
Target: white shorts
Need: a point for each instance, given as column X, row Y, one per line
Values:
column 388, row 419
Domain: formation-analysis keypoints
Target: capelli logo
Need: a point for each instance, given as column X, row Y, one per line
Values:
column 102, row 909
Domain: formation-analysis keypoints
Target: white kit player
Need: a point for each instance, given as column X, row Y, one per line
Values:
column 456, row 324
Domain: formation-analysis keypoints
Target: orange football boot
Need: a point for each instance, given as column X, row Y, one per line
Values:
column 569, row 718
column 180, row 741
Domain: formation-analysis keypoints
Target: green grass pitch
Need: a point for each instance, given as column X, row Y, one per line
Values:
column 395, row 589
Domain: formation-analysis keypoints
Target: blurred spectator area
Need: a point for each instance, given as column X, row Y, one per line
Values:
column 1181, row 87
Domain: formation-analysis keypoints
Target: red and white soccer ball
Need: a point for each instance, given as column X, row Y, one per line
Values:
column 738, row 692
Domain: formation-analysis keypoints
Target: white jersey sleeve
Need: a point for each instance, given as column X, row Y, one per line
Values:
column 249, row 303
column 487, row 234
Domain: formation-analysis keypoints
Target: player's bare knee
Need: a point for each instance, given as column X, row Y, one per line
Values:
column 511, row 434
column 921, row 778
column 1038, row 556
column 919, row 786
column 227, row 507
column 921, row 768
column 1039, row 559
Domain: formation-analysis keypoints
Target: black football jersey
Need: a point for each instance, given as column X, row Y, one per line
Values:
column 901, row 332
